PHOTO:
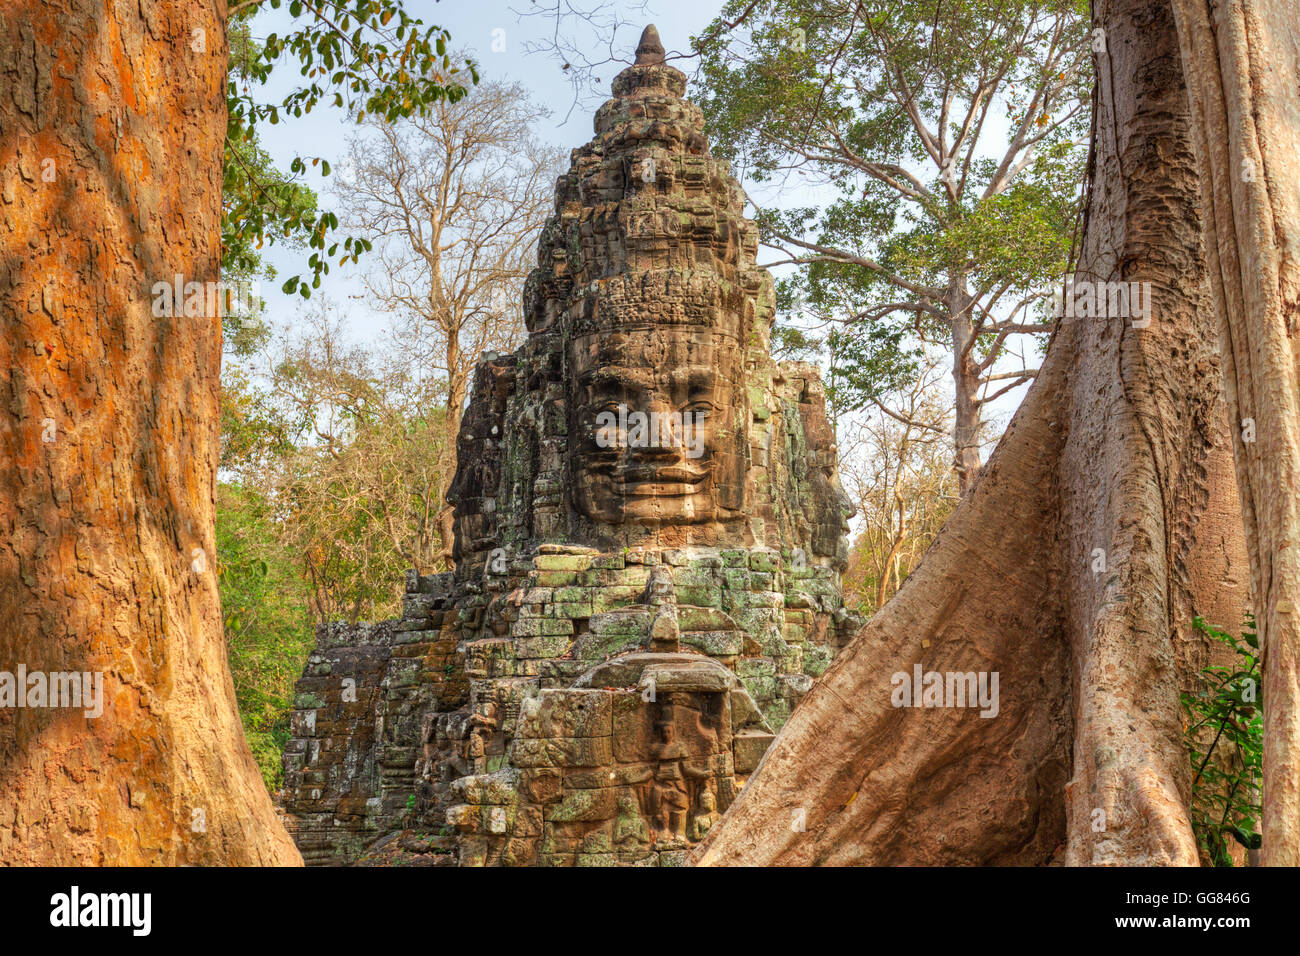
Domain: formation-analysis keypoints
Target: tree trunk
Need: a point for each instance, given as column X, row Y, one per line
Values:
column 455, row 382
column 1243, row 68
column 966, row 416
column 111, row 125
column 455, row 408
column 1106, row 518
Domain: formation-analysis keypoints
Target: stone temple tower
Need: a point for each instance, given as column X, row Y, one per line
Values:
column 649, row 540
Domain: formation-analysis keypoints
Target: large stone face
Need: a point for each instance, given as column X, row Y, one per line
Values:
column 649, row 540
column 684, row 462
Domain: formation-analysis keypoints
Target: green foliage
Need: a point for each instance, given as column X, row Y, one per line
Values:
column 365, row 56
column 361, row 516
column 253, row 433
column 256, row 196
column 1225, row 743
column 264, row 614
column 867, row 362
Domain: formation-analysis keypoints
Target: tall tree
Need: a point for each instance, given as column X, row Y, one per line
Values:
column 111, row 126
column 454, row 200
column 359, row 489
column 1106, row 519
column 950, row 135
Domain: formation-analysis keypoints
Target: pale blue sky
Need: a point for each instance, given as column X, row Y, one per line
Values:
column 324, row 131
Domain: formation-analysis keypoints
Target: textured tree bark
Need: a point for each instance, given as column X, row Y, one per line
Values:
column 1242, row 61
column 1106, row 518
column 111, row 125
column 965, row 376
column 455, row 406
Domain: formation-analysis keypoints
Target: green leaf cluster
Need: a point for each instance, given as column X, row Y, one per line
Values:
column 268, row 630
column 1224, row 735
column 369, row 57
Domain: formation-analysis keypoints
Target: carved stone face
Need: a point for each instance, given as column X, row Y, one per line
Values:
column 834, row 509
column 478, row 462
column 657, row 426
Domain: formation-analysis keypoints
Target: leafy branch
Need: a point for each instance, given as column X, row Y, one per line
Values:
column 1229, row 769
column 369, row 57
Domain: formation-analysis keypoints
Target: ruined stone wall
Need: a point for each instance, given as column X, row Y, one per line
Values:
column 357, row 726
column 632, row 614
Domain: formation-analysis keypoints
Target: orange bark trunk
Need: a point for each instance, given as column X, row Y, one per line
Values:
column 112, row 118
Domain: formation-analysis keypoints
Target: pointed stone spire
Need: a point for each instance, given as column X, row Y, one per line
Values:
column 649, row 52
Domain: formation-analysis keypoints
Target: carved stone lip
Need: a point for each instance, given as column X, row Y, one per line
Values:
column 671, row 474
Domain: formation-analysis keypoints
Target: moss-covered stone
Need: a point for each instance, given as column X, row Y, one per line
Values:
column 562, row 562
column 715, row 643
column 815, row 660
